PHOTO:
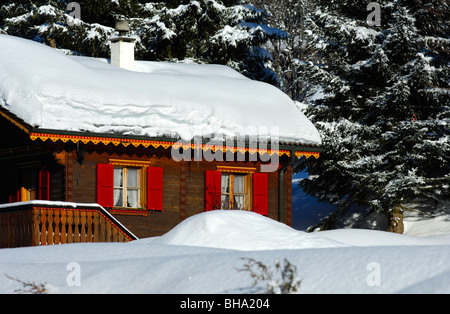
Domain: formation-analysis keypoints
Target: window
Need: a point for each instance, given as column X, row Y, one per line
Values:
column 236, row 188
column 124, row 185
column 127, row 187
column 233, row 187
column 29, row 183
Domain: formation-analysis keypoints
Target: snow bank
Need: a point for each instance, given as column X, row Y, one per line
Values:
column 248, row 231
column 364, row 238
column 241, row 230
column 50, row 90
column 415, row 225
column 339, row 261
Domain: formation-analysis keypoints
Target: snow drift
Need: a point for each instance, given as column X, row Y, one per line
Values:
column 241, row 230
column 50, row 90
column 202, row 255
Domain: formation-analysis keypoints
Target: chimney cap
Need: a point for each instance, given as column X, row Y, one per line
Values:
column 122, row 26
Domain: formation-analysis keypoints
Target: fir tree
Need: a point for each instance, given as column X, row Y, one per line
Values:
column 205, row 31
column 289, row 51
column 385, row 112
column 47, row 22
column 210, row 32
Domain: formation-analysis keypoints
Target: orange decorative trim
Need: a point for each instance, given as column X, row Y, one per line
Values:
column 129, row 162
column 298, row 154
column 95, row 140
column 155, row 144
column 129, row 212
column 236, row 169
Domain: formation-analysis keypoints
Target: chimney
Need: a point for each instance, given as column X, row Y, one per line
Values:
column 122, row 47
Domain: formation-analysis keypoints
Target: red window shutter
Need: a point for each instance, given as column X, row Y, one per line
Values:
column 44, row 185
column 105, row 185
column 260, row 193
column 14, row 192
column 14, row 197
column 213, row 181
column 155, row 188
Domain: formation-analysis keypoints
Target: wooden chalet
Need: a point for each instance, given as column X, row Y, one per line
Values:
column 136, row 178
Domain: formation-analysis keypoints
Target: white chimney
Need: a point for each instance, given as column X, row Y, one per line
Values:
column 122, row 47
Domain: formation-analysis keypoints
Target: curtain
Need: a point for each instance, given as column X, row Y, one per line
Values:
column 118, row 197
column 132, row 180
column 225, row 188
column 238, row 184
column 225, row 183
column 118, row 184
column 238, row 192
column 132, row 198
column 118, row 177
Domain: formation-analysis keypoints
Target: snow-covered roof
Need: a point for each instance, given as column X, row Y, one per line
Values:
column 50, row 90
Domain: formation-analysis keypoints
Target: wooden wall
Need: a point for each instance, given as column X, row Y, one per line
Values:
column 183, row 191
column 72, row 170
column 20, row 157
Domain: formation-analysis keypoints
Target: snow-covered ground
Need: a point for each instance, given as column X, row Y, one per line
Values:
column 307, row 212
column 203, row 255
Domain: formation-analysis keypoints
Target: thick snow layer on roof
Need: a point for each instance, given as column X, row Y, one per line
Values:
column 50, row 90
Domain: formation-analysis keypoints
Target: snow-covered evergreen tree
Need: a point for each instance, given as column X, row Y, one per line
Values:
column 289, row 51
column 210, row 32
column 207, row 31
column 385, row 112
column 46, row 21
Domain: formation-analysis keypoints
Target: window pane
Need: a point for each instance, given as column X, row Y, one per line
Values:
column 132, row 198
column 132, row 180
column 118, row 197
column 225, row 184
column 238, row 184
column 225, row 201
column 118, row 177
column 238, row 201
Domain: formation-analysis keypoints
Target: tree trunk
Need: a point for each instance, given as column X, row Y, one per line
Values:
column 396, row 220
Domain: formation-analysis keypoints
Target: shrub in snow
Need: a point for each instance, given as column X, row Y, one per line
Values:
column 29, row 287
column 286, row 283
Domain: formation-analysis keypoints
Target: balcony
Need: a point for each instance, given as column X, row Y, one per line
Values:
column 36, row 223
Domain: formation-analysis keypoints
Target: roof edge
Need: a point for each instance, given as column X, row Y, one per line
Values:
column 166, row 142
column 15, row 120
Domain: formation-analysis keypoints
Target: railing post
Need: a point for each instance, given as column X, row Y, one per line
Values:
column 50, row 235
column 70, row 228
column 57, row 230
column 43, row 227
column 36, row 233
column 83, row 226
column 96, row 226
column 89, row 226
column 63, row 231
column 76, row 229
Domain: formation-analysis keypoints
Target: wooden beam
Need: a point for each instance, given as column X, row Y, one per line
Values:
column 70, row 157
column 182, row 190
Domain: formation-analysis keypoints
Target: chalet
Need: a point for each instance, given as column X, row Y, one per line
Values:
column 150, row 142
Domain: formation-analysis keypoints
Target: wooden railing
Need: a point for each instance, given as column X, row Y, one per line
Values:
column 42, row 223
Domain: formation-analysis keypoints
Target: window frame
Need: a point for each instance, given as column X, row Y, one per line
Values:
column 140, row 188
column 247, row 191
column 150, row 186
